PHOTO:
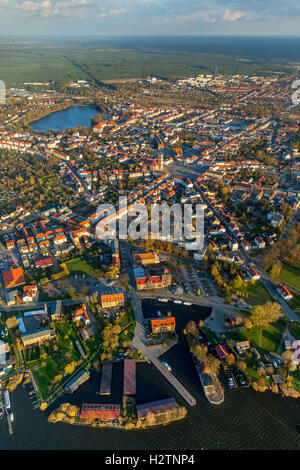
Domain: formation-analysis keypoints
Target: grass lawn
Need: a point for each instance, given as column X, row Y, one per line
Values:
column 54, row 363
column 265, row 339
column 80, row 266
column 257, row 294
column 295, row 330
column 294, row 303
column 295, row 381
column 290, row 275
column 45, row 375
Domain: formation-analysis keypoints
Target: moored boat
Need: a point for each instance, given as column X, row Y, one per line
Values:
column 211, row 385
column 6, row 399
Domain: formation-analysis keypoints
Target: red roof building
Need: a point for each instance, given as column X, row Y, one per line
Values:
column 81, row 314
column 105, row 412
column 159, row 325
column 221, row 351
column 44, row 262
column 13, row 278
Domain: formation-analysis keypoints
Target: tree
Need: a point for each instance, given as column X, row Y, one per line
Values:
column 263, row 315
column 237, row 282
column 230, row 359
column 288, row 362
column 69, row 368
column 191, row 328
column 200, row 351
column 248, row 324
column 260, row 385
column 276, row 268
column 241, row 365
column 12, row 322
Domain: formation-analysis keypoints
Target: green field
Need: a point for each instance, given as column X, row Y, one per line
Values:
column 265, row 339
column 257, row 294
column 290, row 275
column 52, row 364
column 295, row 329
column 80, row 266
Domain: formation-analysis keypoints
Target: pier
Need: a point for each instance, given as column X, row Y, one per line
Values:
column 105, row 386
column 10, row 428
column 6, row 406
column 173, row 381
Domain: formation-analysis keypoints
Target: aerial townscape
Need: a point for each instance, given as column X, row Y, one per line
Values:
column 199, row 342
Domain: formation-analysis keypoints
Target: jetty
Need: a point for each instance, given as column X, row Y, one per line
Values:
column 174, row 382
column 6, row 401
column 105, row 385
column 9, row 423
column 129, row 387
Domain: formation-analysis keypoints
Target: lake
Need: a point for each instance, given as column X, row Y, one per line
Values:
column 66, row 119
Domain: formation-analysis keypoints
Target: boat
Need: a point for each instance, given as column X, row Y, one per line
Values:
column 6, row 399
column 11, row 417
column 187, row 303
column 162, row 299
column 177, row 301
column 210, row 383
column 166, row 366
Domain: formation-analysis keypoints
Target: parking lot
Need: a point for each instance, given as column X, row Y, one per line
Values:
column 195, row 281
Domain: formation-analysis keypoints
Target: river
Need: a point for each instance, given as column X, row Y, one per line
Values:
column 66, row 119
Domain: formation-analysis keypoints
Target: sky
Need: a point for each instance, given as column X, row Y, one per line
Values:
column 150, row 17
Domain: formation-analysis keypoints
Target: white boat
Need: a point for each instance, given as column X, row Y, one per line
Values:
column 177, row 301
column 6, row 399
column 11, row 417
column 166, row 366
column 162, row 300
column 187, row 303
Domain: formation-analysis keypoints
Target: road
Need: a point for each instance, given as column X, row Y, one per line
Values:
column 34, row 306
column 266, row 279
column 273, row 292
column 139, row 340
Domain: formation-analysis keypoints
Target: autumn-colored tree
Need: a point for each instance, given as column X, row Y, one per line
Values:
column 12, row 322
column 241, row 365
column 191, row 328
column 263, row 315
column 230, row 359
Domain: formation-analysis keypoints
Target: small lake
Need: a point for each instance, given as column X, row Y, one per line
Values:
column 66, row 119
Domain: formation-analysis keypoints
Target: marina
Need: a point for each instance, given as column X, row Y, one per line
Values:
column 205, row 424
column 7, row 405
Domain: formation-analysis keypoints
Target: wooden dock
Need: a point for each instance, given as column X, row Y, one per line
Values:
column 174, row 382
column 10, row 428
column 105, row 386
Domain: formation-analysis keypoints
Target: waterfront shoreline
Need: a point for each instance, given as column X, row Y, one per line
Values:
column 64, row 108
